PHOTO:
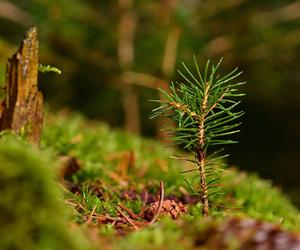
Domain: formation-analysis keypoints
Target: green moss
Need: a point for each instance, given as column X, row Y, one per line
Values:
column 246, row 194
column 32, row 215
column 166, row 234
column 243, row 195
column 97, row 141
column 31, row 204
column 261, row 200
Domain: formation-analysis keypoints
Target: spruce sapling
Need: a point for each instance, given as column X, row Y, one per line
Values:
column 203, row 106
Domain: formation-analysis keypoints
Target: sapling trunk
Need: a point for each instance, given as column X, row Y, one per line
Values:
column 203, row 184
column 203, row 109
column 201, row 153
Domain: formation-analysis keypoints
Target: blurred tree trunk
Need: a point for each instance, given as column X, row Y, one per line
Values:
column 13, row 13
column 126, row 59
column 169, row 56
column 170, row 53
column 127, row 28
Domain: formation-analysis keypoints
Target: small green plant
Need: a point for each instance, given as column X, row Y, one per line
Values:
column 48, row 68
column 203, row 108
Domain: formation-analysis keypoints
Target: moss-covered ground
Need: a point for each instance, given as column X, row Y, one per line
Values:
column 97, row 169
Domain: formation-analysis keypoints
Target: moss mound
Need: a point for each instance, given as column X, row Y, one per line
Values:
column 31, row 211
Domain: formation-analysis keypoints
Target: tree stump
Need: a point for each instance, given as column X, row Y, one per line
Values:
column 21, row 111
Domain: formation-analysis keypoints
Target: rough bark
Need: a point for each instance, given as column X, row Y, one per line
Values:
column 22, row 108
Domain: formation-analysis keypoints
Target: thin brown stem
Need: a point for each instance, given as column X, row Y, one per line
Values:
column 201, row 154
column 129, row 211
column 161, row 200
column 131, row 222
column 89, row 220
column 203, row 184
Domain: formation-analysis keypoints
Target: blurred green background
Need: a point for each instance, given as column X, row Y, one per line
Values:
column 114, row 54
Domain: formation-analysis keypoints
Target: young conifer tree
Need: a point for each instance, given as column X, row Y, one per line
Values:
column 203, row 106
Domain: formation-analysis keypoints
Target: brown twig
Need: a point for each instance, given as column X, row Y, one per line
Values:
column 127, row 219
column 89, row 220
column 160, row 204
column 143, row 209
column 69, row 202
column 129, row 211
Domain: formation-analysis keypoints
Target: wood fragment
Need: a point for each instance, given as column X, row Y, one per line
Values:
column 21, row 111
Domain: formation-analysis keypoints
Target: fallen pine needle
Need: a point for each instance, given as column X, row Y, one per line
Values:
column 89, row 220
column 161, row 200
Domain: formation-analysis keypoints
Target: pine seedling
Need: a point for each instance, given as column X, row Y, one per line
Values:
column 203, row 107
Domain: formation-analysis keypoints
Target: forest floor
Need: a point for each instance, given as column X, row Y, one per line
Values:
column 128, row 188
column 126, row 192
